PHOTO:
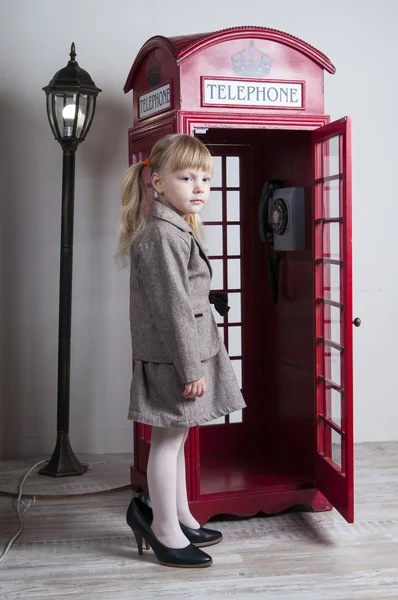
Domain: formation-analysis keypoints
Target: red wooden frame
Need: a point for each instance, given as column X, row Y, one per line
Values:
column 337, row 484
column 188, row 121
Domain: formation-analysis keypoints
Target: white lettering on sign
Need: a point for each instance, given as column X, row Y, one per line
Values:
column 257, row 92
column 155, row 101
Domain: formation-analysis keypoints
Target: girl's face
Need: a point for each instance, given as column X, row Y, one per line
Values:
column 186, row 192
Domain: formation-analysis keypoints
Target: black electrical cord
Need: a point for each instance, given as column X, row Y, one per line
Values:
column 274, row 265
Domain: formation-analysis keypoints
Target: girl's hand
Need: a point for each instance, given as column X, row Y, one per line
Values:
column 195, row 389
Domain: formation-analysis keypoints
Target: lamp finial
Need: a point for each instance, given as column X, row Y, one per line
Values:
column 72, row 52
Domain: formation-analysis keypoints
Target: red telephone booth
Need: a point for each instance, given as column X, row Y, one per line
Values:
column 278, row 226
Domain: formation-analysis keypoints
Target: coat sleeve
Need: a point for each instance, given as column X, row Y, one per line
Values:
column 163, row 266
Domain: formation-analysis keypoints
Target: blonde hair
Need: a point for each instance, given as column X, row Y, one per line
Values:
column 184, row 152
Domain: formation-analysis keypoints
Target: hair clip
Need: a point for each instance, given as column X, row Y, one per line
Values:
column 147, row 162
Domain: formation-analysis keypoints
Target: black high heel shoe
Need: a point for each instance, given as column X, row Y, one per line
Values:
column 190, row 556
column 198, row 537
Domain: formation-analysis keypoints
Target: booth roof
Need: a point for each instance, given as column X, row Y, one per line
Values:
column 182, row 47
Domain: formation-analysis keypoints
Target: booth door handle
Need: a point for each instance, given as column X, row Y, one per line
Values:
column 357, row 322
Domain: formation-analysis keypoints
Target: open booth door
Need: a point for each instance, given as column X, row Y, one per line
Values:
column 334, row 461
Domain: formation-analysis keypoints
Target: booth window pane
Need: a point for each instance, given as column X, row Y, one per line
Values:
column 217, row 282
column 332, row 358
column 216, row 180
column 233, row 179
column 331, row 241
column 336, row 449
column 331, row 282
column 234, row 313
column 234, row 274
column 331, row 199
column 333, row 446
column 332, row 323
column 235, row 341
column 233, row 239
column 233, row 206
column 213, row 235
column 213, row 209
column 333, row 405
column 236, row 417
column 331, row 156
column 237, row 367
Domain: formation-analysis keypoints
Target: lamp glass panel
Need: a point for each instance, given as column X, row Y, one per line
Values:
column 81, row 115
column 88, row 114
column 51, row 115
column 65, row 110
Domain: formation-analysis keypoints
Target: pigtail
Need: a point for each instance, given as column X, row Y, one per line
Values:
column 133, row 194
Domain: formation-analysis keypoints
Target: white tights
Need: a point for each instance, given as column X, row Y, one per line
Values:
column 167, row 486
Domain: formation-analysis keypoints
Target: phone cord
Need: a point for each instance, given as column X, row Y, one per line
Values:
column 274, row 270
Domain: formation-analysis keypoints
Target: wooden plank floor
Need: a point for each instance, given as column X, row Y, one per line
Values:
column 81, row 547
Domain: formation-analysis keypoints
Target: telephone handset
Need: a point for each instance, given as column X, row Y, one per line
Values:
column 282, row 225
column 266, row 229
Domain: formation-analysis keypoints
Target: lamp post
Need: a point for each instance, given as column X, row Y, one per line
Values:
column 71, row 97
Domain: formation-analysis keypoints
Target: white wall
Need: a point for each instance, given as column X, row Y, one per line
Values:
column 358, row 36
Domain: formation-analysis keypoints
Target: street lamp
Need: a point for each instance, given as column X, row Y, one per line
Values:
column 71, row 97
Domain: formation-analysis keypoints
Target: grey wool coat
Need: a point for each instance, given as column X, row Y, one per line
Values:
column 174, row 335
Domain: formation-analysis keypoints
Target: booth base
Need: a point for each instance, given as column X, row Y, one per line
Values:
column 248, row 505
column 243, row 488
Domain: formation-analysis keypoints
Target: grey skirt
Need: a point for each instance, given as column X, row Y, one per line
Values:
column 156, row 396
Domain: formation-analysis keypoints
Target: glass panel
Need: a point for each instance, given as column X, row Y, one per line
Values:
column 331, row 158
column 236, row 417
column 219, row 421
column 237, row 367
column 332, row 323
column 235, row 341
column 331, row 282
column 213, row 235
column 216, row 180
column 233, row 239
column 332, row 359
column 81, row 119
column 65, row 108
column 89, row 110
column 64, row 113
column 213, row 209
column 50, row 114
column 331, row 240
column 217, row 282
column 336, row 448
column 331, row 199
column 234, row 313
column 233, row 206
column 333, row 405
column 232, row 171
column 233, row 273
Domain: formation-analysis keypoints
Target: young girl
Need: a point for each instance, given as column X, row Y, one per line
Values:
column 182, row 372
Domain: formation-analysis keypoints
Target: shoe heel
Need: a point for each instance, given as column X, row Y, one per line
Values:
column 138, row 539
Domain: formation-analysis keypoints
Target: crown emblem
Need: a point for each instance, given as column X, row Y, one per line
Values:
column 153, row 70
column 251, row 62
